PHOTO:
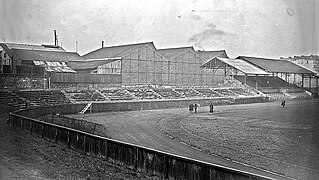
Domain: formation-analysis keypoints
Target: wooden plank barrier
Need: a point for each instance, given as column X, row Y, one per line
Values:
column 150, row 161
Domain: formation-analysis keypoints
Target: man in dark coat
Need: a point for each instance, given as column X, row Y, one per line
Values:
column 191, row 107
column 283, row 103
column 211, row 108
column 195, row 107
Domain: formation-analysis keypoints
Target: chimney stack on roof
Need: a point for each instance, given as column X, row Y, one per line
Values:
column 56, row 42
column 102, row 44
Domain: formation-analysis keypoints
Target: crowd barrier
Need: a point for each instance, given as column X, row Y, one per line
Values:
column 143, row 159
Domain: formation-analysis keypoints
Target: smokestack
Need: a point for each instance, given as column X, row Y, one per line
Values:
column 76, row 46
column 102, row 44
column 55, row 38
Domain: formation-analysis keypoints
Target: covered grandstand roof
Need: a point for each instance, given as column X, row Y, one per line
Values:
column 238, row 64
column 90, row 63
column 171, row 53
column 275, row 65
column 208, row 55
column 116, row 51
column 31, row 55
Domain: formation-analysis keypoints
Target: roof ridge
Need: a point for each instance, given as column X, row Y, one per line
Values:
column 127, row 45
column 176, row 48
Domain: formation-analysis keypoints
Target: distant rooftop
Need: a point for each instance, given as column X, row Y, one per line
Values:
column 208, row 55
column 116, row 51
column 276, row 65
column 171, row 53
column 42, row 47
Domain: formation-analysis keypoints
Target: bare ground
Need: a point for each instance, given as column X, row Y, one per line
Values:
column 281, row 140
column 24, row 156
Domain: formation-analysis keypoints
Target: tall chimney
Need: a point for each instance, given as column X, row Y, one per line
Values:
column 55, row 38
column 102, row 44
column 76, row 46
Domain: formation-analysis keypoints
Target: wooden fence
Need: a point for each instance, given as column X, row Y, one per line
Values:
column 150, row 161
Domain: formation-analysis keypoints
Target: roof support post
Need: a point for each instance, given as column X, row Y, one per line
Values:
column 309, row 81
column 302, row 80
column 256, row 81
column 294, row 78
column 316, row 93
column 245, row 79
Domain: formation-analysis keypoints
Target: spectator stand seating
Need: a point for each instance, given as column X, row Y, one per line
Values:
column 11, row 99
column 117, row 94
column 85, row 95
column 225, row 92
column 208, row 92
column 188, row 92
column 43, row 98
column 168, row 93
column 144, row 93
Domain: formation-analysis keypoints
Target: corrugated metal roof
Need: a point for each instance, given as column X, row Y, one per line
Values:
column 116, row 51
column 171, row 53
column 90, row 64
column 241, row 65
column 275, row 65
column 51, row 66
column 42, row 47
column 208, row 55
column 32, row 55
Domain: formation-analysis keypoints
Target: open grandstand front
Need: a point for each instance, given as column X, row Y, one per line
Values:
column 143, row 72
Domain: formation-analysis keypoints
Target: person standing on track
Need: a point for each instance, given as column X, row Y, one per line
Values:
column 195, row 107
column 283, row 103
column 191, row 107
column 211, row 108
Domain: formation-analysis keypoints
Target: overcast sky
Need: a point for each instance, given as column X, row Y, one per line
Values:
column 263, row 28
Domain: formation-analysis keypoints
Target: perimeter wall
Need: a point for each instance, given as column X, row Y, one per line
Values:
column 150, row 161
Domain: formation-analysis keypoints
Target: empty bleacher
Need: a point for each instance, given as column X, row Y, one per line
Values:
column 144, row 93
column 43, row 98
column 11, row 99
column 275, row 87
column 85, row 95
column 117, row 94
column 208, row 92
column 265, row 81
column 188, row 92
column 168, row 93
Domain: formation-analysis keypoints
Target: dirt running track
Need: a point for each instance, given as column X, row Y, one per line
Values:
column 141, row 128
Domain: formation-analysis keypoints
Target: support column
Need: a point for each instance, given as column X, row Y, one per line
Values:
column 310, row 81
column 256, row 82
column 302, row 81
column 316, row 93
column 245, row 79
column 294, row 78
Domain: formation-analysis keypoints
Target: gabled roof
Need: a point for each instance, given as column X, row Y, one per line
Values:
column 37, row 55
column 208, row 55
column 116, row 51
column 238, row 64
column 42, row 47
column 275, row 65
column 171, row 53
column 91, row 64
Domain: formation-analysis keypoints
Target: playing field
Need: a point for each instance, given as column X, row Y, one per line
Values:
column 264, row 135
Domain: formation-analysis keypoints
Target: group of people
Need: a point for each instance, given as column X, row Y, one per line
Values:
column 194, row 107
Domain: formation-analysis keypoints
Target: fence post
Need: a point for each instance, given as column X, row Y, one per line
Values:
column 69, row 143
column 136, row 158
column 30, row 127
column 84, row 143
column 56, row 135
column 21, row 122
column 42, row 134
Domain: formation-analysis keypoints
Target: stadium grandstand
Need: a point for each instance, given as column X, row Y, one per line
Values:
column 35, row 75
column 287, row 79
